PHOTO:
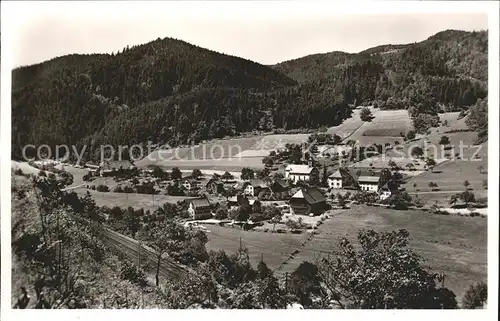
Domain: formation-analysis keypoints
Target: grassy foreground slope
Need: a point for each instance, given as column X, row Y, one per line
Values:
column 454, row 245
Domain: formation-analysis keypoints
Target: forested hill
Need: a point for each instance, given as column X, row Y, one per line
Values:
column 154, row 70
column 450, row 67
column 167, row 91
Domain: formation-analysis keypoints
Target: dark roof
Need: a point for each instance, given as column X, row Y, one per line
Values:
column 311, row 195
column 200, row 202
column 385, row 187
column 283, row 183
column 356, row 173
column 241, row 200
column 263, row 192
column 215, row 181
column 255, row 182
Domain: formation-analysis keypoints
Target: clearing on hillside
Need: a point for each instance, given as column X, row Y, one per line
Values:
column 386, row 127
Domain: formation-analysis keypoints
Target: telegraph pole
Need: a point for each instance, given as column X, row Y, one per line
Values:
column 286, row 282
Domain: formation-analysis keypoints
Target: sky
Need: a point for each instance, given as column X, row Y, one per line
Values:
column 264, row 32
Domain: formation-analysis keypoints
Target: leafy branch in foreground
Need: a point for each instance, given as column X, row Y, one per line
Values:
column 383, row 273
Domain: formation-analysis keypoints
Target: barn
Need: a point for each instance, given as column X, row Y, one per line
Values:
column 308, row 200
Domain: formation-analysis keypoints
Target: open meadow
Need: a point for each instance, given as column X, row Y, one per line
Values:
column 385, row 127
column 224, row 154
column 124, row 200
column 274, row 248
column 454, row 245
column 451, row 244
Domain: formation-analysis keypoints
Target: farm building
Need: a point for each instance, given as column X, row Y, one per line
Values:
column 369, row 183
column 280, row 188
column 111, row 168
column 200, row 208
column 307, row 201
column 238, row 200
column 304, row 173
column 215, row 186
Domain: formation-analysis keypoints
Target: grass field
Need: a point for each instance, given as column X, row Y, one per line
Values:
column 348, row 126
column 380, row 162
column 451, row 244
column 451, row 174
column 224, row 154
column 453, row 122
column 273, row 247
column 276, row 141
column 450, row 177
column 226, row 164
column 385, row 127
column 124, row 200
column 25, row 167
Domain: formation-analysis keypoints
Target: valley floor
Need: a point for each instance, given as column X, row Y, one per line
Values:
column 454, row 245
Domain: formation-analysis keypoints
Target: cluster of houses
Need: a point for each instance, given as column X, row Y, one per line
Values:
column 359, row 180
column 302, row 200
column 110, row 167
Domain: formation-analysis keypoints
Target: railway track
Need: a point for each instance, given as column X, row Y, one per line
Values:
column 137, row 252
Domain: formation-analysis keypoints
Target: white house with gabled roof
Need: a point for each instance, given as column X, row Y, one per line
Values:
column 335, row 180
column 304, row 173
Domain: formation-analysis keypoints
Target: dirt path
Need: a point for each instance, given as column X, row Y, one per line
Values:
column 293, row 256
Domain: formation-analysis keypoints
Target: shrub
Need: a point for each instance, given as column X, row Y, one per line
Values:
column 366, row 114
column 18, row 171
column 128, row 189
column 132, row 273
column 87, row 177
column 476, row 296
column 102, row 188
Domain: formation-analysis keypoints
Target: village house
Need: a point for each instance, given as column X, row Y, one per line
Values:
column 186, row 184
column 112, row 168
column 239, row 201
column 280, row 189
column 253, row 187
column 335, row 180
column 200, row 208
column 308, row 201
column 369, row 183
column 304, row 173
column 215, row 186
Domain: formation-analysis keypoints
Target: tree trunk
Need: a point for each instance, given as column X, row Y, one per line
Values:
column 158, row 271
